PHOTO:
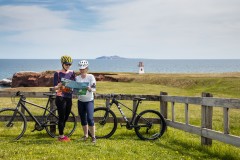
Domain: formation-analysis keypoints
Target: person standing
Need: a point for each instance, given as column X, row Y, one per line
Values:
column 86, row 101
column 63, row 95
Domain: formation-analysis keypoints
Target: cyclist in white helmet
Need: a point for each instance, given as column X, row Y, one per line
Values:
column 86, row 102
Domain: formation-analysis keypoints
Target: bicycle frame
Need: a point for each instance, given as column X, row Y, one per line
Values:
column 21, row 103
column 129, row 124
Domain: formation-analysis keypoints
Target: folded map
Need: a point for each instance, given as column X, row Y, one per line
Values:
column 73, row 84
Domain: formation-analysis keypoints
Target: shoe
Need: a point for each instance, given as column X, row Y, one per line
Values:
column 84, row 138
column 94, row 140
column 64, row 139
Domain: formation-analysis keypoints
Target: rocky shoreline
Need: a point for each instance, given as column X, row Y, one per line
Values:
column 6, row 82
column 43, row 79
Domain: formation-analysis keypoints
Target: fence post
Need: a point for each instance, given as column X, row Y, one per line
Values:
column 226, row 120
column 52, row 106
column 163, row 105
column 173, row 111
column 186, row 114
column 206, row 119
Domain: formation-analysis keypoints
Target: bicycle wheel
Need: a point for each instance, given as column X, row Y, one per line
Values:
column 150, row 125
column 52, row 124
column 105, row 122
column 12, row 128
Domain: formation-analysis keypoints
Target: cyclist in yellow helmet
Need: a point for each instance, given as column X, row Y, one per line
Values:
column 63, row 95
column 67, row 60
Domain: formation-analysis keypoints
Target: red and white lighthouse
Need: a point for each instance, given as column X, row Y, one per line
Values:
column 141, row 68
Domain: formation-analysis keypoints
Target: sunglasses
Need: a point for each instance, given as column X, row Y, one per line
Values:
column 67, row 64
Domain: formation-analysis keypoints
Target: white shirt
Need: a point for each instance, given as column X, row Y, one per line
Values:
column 92, row 83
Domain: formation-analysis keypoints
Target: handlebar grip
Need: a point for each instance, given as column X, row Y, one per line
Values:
column 18, row 93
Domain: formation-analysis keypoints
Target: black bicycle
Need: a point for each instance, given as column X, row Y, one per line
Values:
column 13, row 122
column 148, row 125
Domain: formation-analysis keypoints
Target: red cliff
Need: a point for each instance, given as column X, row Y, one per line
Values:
column 45, row 79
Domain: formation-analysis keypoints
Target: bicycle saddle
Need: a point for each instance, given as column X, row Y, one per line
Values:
column 49, row 94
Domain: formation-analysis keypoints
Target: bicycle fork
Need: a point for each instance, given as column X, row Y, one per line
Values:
column 10, row 124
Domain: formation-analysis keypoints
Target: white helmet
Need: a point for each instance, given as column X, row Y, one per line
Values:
column 83, row 64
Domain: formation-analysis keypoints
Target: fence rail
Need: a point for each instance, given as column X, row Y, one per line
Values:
column 206, row 102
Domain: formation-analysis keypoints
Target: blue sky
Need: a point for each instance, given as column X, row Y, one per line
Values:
column 154, row 29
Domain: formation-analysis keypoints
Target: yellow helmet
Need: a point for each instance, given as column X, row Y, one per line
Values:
column 66, row 60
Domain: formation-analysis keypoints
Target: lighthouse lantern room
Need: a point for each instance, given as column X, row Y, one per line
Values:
column 141, row 68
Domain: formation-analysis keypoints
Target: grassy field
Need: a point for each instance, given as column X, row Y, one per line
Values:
column 124, row 144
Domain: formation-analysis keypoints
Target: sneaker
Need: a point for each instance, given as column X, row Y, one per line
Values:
column 64, row 139
column 94, row 140
column 84, row 138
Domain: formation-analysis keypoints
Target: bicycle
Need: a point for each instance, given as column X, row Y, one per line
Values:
column 13, row 122
column 148, row 125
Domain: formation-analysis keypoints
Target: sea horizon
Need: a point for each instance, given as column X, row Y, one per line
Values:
column 11, row 66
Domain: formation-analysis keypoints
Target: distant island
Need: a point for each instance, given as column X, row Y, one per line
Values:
column 110, row 57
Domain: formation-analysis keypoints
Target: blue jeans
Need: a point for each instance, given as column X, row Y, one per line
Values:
column 86, row 110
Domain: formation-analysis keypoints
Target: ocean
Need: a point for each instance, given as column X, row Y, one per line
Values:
column 11, row 66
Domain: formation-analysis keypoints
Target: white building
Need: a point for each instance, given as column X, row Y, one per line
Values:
column 141, row 68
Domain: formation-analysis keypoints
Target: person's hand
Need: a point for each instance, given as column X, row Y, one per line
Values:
column 58, row 86
column 89, row 89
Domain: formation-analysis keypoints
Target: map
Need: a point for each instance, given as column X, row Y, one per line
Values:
column 79, row 88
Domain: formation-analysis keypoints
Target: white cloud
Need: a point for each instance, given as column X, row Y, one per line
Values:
column 25, row 18
column 137, row 29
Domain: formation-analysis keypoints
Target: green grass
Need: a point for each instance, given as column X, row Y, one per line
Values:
column 124, row 144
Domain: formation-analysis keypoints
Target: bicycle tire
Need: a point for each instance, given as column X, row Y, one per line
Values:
column 15, row 129
column 52, row 124
column 150, row 125
column 105, row 122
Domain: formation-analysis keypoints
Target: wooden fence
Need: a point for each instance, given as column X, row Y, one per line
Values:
column 206, row 102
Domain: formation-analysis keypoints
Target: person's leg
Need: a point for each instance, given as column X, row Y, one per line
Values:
column 61, row 107
column 83, row 117
column 90, row 119
column 85, row 130
column 92, row 131
column 68, row 109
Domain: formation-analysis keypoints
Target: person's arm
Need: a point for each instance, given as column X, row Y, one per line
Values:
column 92, row 87
column 56, row 83
column 73, row 77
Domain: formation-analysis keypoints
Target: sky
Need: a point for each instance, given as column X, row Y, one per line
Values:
column 152, row 29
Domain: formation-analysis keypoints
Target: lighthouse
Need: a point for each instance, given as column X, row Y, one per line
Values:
column 141, row 68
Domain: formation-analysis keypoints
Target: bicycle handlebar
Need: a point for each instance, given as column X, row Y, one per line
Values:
column 18, row 93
